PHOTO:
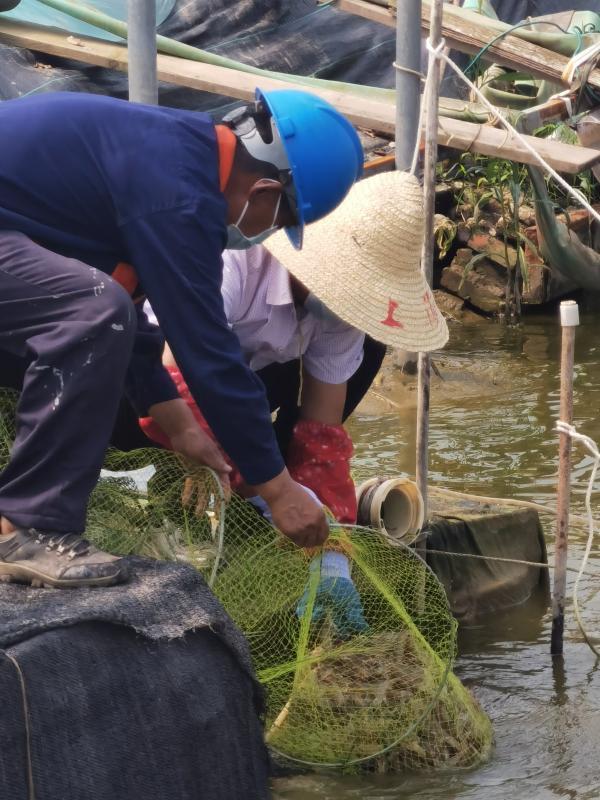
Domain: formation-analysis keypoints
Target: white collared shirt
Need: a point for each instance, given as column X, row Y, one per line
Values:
column 260, row 309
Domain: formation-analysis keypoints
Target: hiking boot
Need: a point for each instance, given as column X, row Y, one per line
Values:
column 57, row 560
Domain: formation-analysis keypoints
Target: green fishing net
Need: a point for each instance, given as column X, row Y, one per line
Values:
column 383, row 699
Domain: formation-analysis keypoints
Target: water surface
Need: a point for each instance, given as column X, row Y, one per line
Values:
column 492, row 434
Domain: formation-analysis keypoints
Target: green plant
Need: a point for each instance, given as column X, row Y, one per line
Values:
column 445, row 233
column 469, row 266
column 481, row 179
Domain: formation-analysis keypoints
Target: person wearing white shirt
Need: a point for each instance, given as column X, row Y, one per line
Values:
column 278, row 322
column 268, row 310
column 314, row 366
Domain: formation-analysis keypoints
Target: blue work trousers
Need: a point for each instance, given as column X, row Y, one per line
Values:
column 73, row 328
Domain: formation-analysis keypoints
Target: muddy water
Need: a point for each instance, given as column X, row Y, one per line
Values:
column 491, row 434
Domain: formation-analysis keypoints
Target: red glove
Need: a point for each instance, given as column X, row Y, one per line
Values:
column 155, row 432
column 319, row 458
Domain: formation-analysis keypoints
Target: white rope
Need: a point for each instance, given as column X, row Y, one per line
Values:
column 415, row 159
column 437, row 52
column 476, row 556
column 434, row 51
column 408, row 70
column 579, row 60
column 591, row 447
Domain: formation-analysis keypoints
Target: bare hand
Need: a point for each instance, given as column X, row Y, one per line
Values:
column 295, row 513
column 199, row 448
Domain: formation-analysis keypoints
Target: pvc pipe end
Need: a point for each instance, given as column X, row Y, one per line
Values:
column 569, row 314
column 393, row 506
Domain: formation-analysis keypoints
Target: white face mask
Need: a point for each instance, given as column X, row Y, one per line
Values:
column 236, row 240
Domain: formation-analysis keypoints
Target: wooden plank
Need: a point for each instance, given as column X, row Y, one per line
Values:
column 377, row 114
column 367, row 10
column 484, row 139
column 468, row 33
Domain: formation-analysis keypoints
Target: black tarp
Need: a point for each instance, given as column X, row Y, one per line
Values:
column 135, row 692
column 21, row 73
column 292, row 36
column 480, row 586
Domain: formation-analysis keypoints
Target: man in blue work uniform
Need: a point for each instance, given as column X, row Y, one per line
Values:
column 103, row 202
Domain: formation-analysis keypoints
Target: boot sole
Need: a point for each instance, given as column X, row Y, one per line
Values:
column 15, row 573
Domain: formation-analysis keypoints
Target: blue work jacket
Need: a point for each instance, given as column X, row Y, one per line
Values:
column 106, row 181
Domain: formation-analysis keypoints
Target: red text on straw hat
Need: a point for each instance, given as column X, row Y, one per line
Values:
column 432, row 316
column 389, row 320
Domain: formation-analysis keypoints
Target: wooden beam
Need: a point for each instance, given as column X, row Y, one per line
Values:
column 366, row 10
column 375, row 114
column 469, row 33
column 497, row 142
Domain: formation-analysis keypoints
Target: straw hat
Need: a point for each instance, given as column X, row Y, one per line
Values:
column 362, row 261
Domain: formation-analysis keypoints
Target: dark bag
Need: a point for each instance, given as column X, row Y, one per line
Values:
column 142, row 691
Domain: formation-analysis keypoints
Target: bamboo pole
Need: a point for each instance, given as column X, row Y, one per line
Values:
column 569, row 319
column 444, row 65
column 431, row 145
column 141, row 51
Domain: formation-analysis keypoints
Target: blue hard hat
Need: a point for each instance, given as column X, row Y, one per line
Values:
column 323, row 152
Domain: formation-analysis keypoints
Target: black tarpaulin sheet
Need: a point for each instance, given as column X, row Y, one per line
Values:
column 291, row 36
column 21, row 74
column 480, row 586
column 136, row 692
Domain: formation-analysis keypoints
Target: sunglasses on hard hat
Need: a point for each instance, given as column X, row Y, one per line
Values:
column 255, row 118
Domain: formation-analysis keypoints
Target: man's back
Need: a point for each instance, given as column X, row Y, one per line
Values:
column 74, row 167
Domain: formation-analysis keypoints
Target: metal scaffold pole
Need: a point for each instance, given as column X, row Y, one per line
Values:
column 141, row 51
column 408, row 80
column 431, row 148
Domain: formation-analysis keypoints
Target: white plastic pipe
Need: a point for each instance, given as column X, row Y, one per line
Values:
column 569, row 320
column 393, row 506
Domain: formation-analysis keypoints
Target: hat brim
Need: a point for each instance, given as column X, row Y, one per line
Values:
column 369, row 275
